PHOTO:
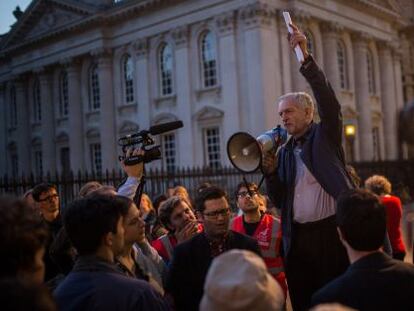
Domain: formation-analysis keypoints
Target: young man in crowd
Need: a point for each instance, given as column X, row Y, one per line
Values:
column 264, row 228
column 47, row 200
column 192, row 258
column 373, row 281
column 138, row 259
column 178, row 218
column 95, row 227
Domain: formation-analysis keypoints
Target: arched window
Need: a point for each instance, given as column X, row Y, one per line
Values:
column 63, row 94
column 37, row 104
column 311, row 42
column 94, row 96
column 128, row 78
column 13, row 108
column 371, row 74
column 166, row 70
column 208, row 59
column 342, row 64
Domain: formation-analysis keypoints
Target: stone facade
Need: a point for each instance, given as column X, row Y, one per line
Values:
column 77, row 75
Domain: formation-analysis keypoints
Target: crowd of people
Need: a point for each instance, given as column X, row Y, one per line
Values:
column 331, row 245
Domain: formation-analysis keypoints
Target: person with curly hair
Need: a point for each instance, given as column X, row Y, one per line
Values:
column 381, row 186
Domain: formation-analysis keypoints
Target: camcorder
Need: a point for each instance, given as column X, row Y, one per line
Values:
column 144, row 141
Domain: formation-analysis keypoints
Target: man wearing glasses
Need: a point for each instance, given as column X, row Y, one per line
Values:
column 264, row 228
column 192, row 259
column 48, row 203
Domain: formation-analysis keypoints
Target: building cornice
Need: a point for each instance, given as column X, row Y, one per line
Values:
column 118, row 12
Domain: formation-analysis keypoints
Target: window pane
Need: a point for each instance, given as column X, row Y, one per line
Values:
column 311, row 42
column 209, row 62
column 128, row 71
column 371, row 76
column 212, row 147
column 169, row 148
column 37, row 106
column 94, row 97
column 341, row 57
column 96, row 157
column 63, row 95
column 166, row 67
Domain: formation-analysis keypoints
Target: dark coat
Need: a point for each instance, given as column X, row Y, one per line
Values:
column 375, row 282
column 322, row 153
column 190, row 264
column 98, row 285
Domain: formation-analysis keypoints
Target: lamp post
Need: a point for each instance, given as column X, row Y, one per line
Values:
column 350, row 132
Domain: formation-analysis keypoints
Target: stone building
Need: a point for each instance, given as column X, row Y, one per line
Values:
column 75, row 75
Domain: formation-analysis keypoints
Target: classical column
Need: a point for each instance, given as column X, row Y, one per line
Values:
column 182, row 83
column 4, row 115
column 388, row 101
column 107, row 110
column 142, row 83
column 47, row 123
column 399, row 98
column 76, row 138
column 229, row 77
column 286, row 52
column 330, row 33
column 362, row 98
column 23, row 128
column 263, row 75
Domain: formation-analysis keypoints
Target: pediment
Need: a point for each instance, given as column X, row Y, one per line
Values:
column 46, row 16
column 163, row 118
column 348, row 112
column 208, row 113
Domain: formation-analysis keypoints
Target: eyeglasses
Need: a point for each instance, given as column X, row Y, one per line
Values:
column 49, row 198
column 223, row 212
column 244, row 194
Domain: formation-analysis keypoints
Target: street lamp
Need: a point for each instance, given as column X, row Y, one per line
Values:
column 350, row 132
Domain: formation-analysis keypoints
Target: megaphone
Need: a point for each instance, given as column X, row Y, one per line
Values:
column 245, row 151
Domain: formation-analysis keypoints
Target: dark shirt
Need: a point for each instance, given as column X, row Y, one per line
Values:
column 190, row 264
column 51, row 267
column 250, row 227
column 374, row 282
column 95, row 284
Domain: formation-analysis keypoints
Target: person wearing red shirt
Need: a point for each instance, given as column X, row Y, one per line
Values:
column 262, row 227
column 178, row 218
column 381, row 186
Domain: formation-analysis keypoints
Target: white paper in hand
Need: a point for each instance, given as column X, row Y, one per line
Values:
column 298, row 50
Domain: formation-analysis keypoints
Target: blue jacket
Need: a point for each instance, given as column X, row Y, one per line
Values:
column 322, row 153
column 95, row 284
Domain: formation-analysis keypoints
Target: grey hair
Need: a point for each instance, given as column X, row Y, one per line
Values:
column 302, row 99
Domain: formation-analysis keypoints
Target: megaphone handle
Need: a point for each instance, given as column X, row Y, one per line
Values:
column 261, row 182
column 246, row 184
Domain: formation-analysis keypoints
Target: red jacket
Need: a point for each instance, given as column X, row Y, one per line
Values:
column 394, row 213
column 268, row 235
column 166, row 243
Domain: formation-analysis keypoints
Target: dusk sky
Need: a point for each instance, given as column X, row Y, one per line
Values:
column 6, row 12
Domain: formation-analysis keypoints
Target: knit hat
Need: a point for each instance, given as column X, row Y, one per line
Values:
column 239, row 280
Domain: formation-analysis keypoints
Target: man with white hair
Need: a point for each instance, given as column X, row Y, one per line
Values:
column 305, row 179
